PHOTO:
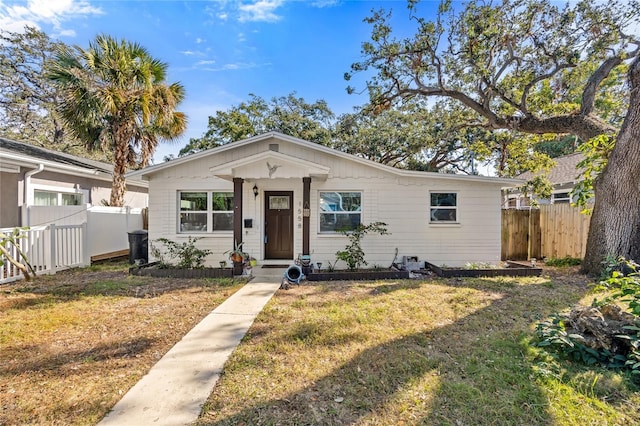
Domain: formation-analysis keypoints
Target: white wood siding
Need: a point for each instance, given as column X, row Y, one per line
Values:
column 401, row 202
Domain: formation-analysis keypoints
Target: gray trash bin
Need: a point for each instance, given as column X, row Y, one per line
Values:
column 139, row 246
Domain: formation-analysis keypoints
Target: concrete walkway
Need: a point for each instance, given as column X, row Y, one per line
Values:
column 174, row 390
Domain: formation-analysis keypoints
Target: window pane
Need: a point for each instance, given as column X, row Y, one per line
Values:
column 443, row 199
column 332, row 222
column 45, row 198
column 71, row 199
column 279, row 202
column 340, row 201
column 223, row 201
column 193, row 222
column 193, row 201
column 439, row 215
column 223, row 221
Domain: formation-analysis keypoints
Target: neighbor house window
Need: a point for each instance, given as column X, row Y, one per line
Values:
column 340, row 211
column 443, row 207
column 205, row 211
column 561, row 198
column 56, row 198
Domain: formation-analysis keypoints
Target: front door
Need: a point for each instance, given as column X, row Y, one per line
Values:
column 278, row 225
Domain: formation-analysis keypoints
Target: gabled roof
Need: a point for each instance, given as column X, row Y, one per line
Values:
column 148, row 171
column 565, row 171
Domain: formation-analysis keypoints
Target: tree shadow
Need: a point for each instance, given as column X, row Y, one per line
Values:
column 474, row 367
column 52, row 362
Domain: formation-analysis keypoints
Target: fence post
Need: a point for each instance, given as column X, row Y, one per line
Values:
column 53, row 260
column 86, row 258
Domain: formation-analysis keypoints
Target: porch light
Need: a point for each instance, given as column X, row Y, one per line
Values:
column 255, row 190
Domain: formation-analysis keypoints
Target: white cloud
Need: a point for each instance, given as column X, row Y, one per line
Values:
column 14, row 17
column 260, row 11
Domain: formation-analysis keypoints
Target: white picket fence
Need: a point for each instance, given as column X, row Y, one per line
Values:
column 51, row 247
column 48, row 248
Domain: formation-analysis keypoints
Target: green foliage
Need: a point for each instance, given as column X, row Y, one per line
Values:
column 353, row 254
column 187, row 254
column 625, row 284
column 115, row 97
column 562, row 262
column 596, row 153
column 290, row 115
column 553, row 337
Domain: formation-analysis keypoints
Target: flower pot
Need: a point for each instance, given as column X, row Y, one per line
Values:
column 236, row 258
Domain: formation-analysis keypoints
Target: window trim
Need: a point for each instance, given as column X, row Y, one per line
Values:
column 456, row 208
column 209, row 212
column 320, row 212
column 59, row 190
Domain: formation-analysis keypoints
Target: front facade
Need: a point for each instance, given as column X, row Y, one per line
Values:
column 34, row 178
column 282, row 197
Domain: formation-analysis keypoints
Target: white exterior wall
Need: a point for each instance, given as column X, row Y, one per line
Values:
column 400, row 201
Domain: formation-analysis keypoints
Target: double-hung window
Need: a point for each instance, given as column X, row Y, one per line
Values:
column 340, row 211
column 443, row 207
column 205, row 211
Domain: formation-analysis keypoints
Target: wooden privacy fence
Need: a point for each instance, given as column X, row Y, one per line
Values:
column 49, row 249
column 556, row 230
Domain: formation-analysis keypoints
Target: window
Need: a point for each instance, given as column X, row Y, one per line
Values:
column 56, row 198
column 444, row 207
column 205, row 211
column 340, row 211
column 561, row 198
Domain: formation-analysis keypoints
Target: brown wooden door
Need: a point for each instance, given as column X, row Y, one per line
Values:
column 278, row 225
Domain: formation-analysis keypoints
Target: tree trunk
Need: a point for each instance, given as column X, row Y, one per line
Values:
column 615, row 222
column 118, row 185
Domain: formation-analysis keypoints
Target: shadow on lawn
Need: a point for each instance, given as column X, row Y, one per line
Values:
column 15, row 363
column 471, row 371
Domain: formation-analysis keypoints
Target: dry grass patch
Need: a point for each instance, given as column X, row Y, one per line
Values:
column 412, row 352
column 72, row 344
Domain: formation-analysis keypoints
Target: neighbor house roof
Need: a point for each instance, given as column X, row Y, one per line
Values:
column 14, row 153
column 146, row 172
column 565, row 171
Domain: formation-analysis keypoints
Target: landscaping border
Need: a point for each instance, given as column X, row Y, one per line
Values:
column 357, row 275
column 149, row 270
column 514, row 269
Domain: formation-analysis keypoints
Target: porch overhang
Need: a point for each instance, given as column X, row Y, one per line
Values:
column 270, row 165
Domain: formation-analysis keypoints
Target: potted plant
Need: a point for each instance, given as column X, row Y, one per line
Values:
column 237, row 255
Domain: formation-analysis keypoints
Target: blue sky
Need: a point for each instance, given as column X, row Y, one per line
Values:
column 222, row 51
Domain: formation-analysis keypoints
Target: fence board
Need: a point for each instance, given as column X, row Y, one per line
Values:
column 557, row 230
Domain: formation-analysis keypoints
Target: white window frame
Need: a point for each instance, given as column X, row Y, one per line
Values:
column 432, row 218
column 321, row 212
column 561, row 200
column 209, row 212
column 59, row 190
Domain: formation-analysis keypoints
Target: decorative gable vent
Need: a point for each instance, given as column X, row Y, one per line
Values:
column 274, row 147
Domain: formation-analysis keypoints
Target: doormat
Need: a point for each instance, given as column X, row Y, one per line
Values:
column 274, row 266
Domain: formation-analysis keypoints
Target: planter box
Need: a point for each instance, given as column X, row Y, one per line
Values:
column 357, row 275
column 151, row 270
column 513, row 270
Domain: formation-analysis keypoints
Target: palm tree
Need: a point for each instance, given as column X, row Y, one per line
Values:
column 115, row 98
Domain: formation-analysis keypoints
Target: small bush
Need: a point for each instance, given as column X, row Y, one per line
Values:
column 187, row 254
column 563, row 262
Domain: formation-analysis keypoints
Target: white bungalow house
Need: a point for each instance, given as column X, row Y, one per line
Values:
column 282, row 196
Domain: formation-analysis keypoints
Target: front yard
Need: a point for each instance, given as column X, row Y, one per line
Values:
column 438, row 351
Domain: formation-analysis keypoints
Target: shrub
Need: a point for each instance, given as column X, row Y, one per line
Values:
column 353, row 254
column 187, row 254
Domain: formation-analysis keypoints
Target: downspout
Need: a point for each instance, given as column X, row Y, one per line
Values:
column 28, row 194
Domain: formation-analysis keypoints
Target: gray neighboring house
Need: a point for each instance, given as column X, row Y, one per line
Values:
column 564, row 177
column 34, row 176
